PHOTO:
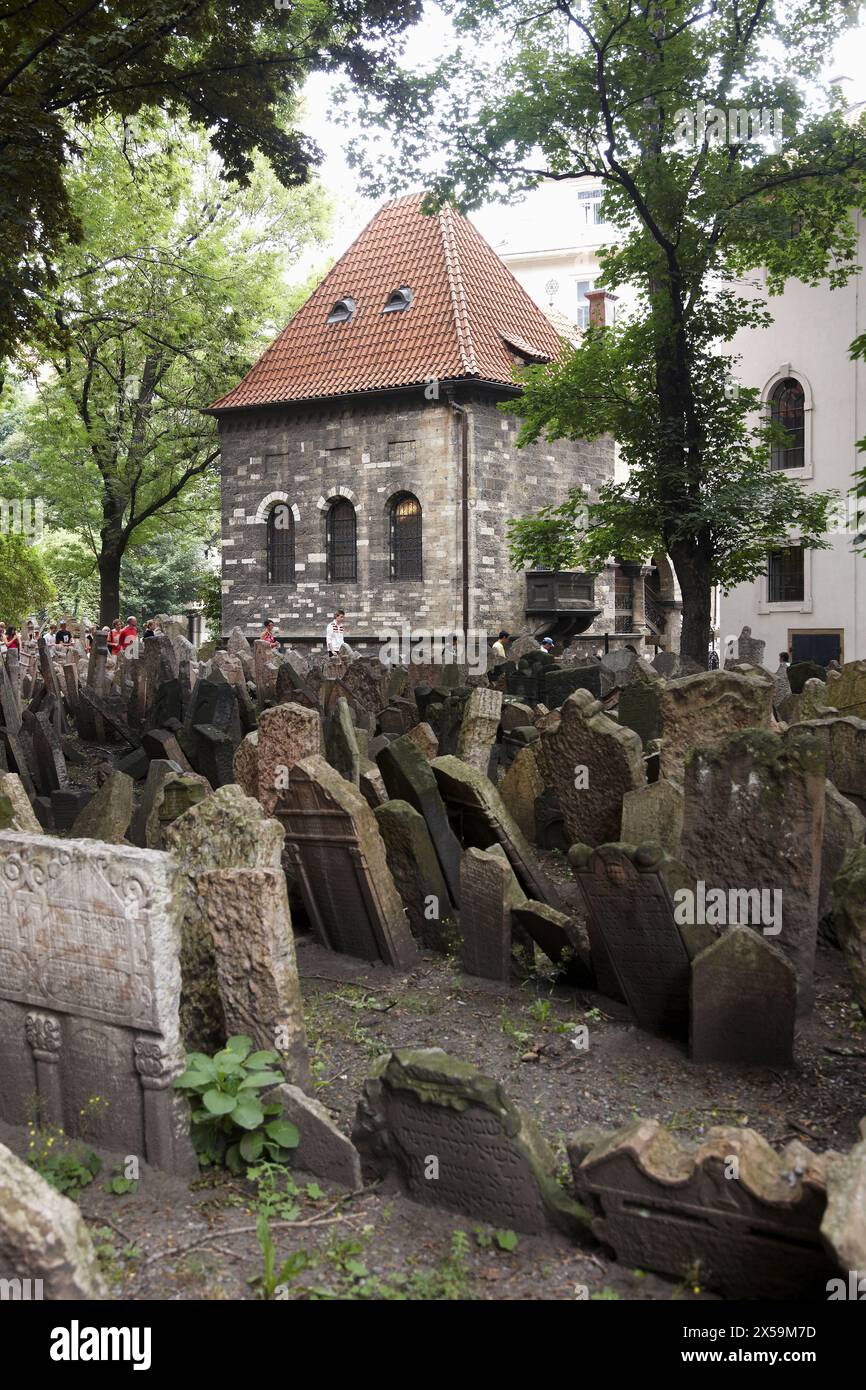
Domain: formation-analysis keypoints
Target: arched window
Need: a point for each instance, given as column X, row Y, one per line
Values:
column 342, row 543
column 788, row 409
column 405, row 528
column 281, row 544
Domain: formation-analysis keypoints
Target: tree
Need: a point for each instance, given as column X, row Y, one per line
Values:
column 716, row 155
column 174, row 291
column 234, row 67
column 25, row 587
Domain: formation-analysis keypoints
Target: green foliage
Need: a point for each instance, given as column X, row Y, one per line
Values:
column 544, row 541
column 209, row 590
column 66, row 1164
column 25, row 584
column 236, row 67
column 119, row 1185
column 230, row 1124
column 162, row 576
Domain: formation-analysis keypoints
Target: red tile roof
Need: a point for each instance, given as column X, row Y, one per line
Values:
column 469, row 317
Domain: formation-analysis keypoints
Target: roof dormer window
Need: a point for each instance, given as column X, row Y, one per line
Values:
column 399, row 299
column 342, row 310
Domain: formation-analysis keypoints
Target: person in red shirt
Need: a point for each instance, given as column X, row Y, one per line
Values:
column 127, row 635
column 114, row 637
column 12, row 642
column 268, row 633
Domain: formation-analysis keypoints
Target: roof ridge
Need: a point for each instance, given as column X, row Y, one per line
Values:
column 457, row 291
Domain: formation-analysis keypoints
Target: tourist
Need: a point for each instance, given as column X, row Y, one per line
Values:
column 499, row 645
column 267, row 634
column 335, row 639
column 13, row 643
column 49, row 635
column 149, row 629
column 784, row 659
column 547, row 644
column 63, row 637
column 114, row 637
column 127, row 635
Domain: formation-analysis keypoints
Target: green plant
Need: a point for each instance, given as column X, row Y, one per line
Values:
column 271, row 1279
column 119, row 1184
column 66, row 1164
column 230, row 1123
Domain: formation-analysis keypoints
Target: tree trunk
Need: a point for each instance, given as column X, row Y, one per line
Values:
column 109, row 584
column 692, row 565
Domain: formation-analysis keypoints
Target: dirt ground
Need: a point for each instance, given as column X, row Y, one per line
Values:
column 168, row 1241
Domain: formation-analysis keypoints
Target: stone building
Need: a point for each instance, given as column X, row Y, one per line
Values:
column 365, row 462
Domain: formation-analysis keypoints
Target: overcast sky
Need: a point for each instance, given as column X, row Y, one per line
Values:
column 498, row 224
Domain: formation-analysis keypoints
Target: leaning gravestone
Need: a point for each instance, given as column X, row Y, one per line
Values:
column 486, row 883
column 753, row 830
column 286, row 734
column 744, row 1003
column 338, row 859
column 486, row 822
column 16, row 812
column 592, row 763
column 90, row 993
column 452, row 1139
column 520, row 788
column 341, row 743
column 107, row 816
column 560, row 937
column 844, row 831
column 408, row 776
column 849, row 921
column 225, row 831
column 322, row 1148
column 481, row 715
column 844, row 1223
column 44, row 1242
column 415, row 869
column 677, row 1208
column 247, row 911
column 700, row 710
column 634, row 937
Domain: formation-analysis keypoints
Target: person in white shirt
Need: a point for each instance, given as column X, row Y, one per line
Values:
column 335, row 639
column 499, row 645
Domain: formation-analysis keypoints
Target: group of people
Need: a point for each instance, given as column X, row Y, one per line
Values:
column 59, row 636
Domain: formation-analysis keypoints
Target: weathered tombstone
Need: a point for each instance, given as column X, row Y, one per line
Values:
column 640, row 708
column 703, row 709
column 562, row 681
column 520, row 788
column 560, row 937
column 844, row 831
column 843, row 739
column 485, row 915
column 371, row 785
column 485, row 822
column 592, row 763
column 753, row 826
column 341, row 743
column 424, row 738
column 816, row 702
column 247, row 911
column 619, row 663
column 750, row 648
column 10, row 710
column 636, row 943
column 225, row 831
column 286, row 734
column 153, row 816
column 746, row 1218
column 849, row 921
column 16, row 812
column 45, row 1246
column 521, row 646
column 408, row 776
column 266, row 667
column 481, row 715
column 672, row 666
column 322, row 1148
column 744, row 1003
column 654, row 814
column 801, row 671
column 50, row 764
column 415, row 869
column 107, row 816
column 490, row 1163
column 89, row 997
column 844, row 1223
column 338, row 858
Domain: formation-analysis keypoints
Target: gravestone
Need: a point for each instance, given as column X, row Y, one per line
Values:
column 286, row 734
column 849, row 921
column 227, row 830
column 673, row 666
column 341, row 743
column 89, row 994
column 16, row 812
column 520, row 788
column 561, row 681
column 107, row 816
column 675, row 1208
column 801, row 671
column 635, row 941
column 744, row 1003
column 338, row 859
column 592, row 762
column 371, row 785
column 560, row 937
column 640, row 708
column 844, row 831
column 485, row 822
column 167, row 794
column 753, row 825
column 424, row 739
column 490, row 1163
column 408, row 776
column 486, row 885
column 619, row 663
column 815, row 701
column 654, row 815
column 481, row 715
column 843, row 739
column 844, row 1223
column 415, row 870
column 701, row 710
column 43, row 1238
column 323, row 1149
column 749, row 648
column 247, row 911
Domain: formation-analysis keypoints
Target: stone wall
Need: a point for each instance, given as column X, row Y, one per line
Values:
column 368, row 451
